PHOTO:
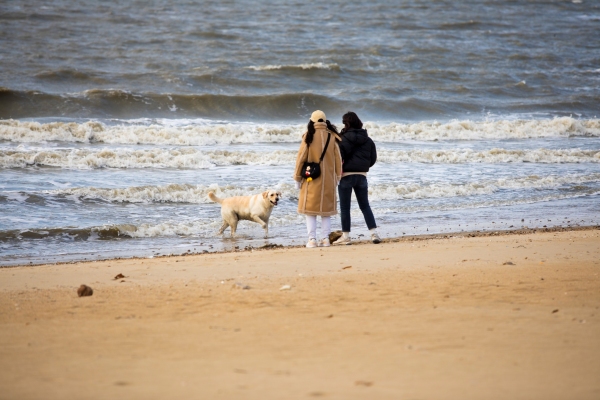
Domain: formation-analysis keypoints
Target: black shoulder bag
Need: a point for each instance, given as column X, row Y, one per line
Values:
column 312, row 170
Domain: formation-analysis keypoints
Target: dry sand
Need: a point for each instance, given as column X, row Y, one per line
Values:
column 501, row 317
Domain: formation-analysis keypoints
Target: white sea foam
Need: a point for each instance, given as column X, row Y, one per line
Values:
column 484, row 187
column 172, row 228
column 203, row 133
column 173, row 193
column 192, row 158
column 167, row 133
column 414, row 208
column 472, row 130
column 186, row 193
column 183, row 158
column 496, row 155
column 207, row 227
column 318, row 65
column 204, row 227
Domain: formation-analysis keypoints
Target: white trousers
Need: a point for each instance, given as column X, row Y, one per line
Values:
column 311, row 226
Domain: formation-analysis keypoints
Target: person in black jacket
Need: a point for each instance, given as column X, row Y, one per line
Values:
column 358, row 155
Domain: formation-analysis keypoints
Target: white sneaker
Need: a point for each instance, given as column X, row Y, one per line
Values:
column 344, row 239
column 375, row 238
column 312, row 243
column 325, row 242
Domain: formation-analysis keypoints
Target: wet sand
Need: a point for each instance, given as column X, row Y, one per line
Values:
column 501, row 316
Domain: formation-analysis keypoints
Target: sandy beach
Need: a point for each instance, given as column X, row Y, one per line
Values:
column 508, row 316
column 117, row 119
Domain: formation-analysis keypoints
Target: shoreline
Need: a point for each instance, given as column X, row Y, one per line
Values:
column 407, row 238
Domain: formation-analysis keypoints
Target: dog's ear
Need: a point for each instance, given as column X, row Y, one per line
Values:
column 265, row 194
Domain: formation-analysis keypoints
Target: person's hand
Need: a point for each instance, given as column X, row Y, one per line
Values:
column 298, row 185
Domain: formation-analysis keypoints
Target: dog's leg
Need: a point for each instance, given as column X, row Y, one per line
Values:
column 232, row 219
column 262, row 223
column 233, row 225
column 223, row 227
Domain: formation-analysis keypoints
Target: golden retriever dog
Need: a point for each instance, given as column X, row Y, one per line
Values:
column 255, row 208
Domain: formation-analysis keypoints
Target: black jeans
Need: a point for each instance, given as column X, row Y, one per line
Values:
column 361, row 189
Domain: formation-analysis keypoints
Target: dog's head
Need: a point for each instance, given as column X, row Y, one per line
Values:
column 272, row 196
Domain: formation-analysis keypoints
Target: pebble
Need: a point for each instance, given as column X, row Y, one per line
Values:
column 84, row 290
column 285, row 287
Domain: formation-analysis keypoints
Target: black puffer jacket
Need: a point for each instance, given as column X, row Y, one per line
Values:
column 358, row 151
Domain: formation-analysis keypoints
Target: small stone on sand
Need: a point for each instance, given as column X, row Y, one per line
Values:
column 84, row 290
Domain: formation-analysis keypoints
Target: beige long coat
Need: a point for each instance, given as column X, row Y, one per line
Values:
column 319, row 197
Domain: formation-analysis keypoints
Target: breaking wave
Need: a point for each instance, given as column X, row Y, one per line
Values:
column 485, row 187
column 199, row 133
column 114, row 103
column 197, row 194
column 74, row 234
column 183, row 158
column 205, row 133
column 198, row 228
column 309, row 66
column 192, row 158
column 473, row 130
column 296, row 106
column 114, row 232
column 173, row 193
column 496, row 155
column 482, row 203
column 206, row 228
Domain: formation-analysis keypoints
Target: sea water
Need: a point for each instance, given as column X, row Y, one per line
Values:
column 116, row 120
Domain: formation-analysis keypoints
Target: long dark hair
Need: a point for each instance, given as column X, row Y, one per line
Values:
column 351, row 121
column 310, row 130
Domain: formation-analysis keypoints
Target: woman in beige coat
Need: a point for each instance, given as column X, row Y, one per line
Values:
column 318, row 197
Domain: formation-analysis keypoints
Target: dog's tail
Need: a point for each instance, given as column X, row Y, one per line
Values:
column 211, row 195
